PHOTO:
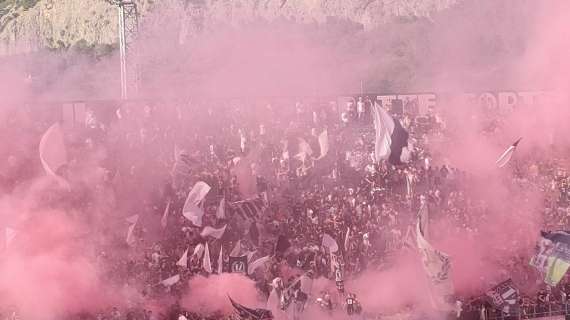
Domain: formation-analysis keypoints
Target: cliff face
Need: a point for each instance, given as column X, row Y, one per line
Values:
column 28, row 25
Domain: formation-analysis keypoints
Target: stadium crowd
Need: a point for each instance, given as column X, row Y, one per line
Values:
column 369, row 209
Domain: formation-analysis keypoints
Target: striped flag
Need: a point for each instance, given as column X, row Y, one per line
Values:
column 507, row 155
column 251, row 209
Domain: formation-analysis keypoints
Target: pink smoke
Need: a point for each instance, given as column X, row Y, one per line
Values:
column 209, row 295
column 47, row 272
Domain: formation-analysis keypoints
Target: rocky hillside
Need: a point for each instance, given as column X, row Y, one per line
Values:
column 27, row 25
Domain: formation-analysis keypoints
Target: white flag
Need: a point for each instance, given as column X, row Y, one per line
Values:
column 384, row 125
column 221, row 260
column 305, row 150
column 130, row 236
column 53, row 154
column 221, row 212
column 132, row 219
column 257, row 263
column 130, row 232
column 164, row 219
column 191, row 209
column 236, row 251
column 437, row 266
column 347, row 239
column 10, row 235
column 409, row 184
column 198, row 251
column 170, row 281
column 183, row 261
column 324, row 144
column 507, row 155
column 423, row 216
column 207, row 263
column 211, row 232
column 329, row 243
column 250, row 254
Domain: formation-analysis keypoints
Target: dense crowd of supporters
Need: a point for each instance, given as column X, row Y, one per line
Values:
column 342, row 193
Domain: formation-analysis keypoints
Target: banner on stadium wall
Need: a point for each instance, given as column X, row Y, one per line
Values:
column 420, row 103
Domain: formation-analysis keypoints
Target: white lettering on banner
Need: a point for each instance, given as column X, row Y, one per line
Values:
column 488, row 100
column 505, row 101
column 386, row 100
column 424, row 101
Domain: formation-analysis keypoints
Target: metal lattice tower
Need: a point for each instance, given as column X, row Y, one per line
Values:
column 128, row 29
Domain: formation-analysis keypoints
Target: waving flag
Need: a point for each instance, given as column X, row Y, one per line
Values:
column 191, row 209
column 324, row 144
column 221, row 211
column 53, row 154
column 251, row 209
column 251, row 314
column 507, row 155
column 164, row 219
column 282, row 245
column 347, row 239
column 171, row 281
column 423, row 216
column 305, row 150
column 391, row 138
column 183, row 261
column 198, row 251
column 214, row 233
column 132, row 220
column 221, row 260
column 329, row 243
column 437, row 266
column 236, row 251
column 206, row 262
column 258, row 263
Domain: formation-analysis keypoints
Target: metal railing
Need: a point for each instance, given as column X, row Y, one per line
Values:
column 553, row 311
